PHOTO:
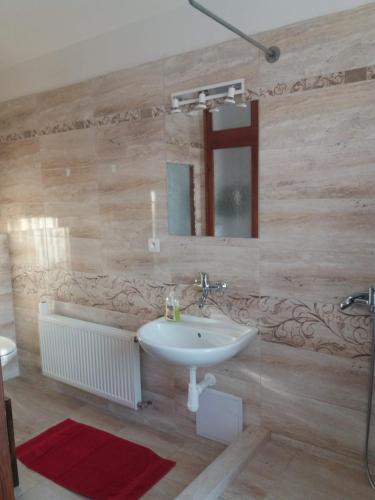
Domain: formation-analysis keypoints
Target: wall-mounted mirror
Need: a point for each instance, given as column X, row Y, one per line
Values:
column 212, row 172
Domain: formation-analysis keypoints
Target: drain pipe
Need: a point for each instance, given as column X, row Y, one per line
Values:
column 195, row 390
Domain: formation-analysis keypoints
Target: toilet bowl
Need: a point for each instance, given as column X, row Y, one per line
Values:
column 8, row 350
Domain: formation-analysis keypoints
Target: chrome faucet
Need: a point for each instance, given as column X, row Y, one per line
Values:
column 363, row 298
column 204, row 284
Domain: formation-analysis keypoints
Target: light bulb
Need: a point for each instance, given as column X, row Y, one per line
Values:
column 201, row 101
column 176, row 105
column 230, row 96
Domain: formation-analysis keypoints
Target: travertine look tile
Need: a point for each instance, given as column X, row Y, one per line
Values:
column 138, row 87
column 64, row 105
column 321, row 276
column 220, row 473
column 315, row 326
column 26, row 322
column 20, row 216
column 182, row 128
column 193, row 69
column 317, row 479
column 314, row 375
column 238, row 265
column 18, row 115
column 29, row 248
column 258, row 477
column 20, row 172
column 326, row 44
column 6, row 308
column 325, row 117
column 7, row 324
column 306, row 223
column 74, row 254
column 67, row 150
column 71, row 201
column 115, row 142
column 313, row 173
column 325, row 425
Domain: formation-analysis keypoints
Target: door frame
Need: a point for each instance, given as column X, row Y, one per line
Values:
column 6, row 478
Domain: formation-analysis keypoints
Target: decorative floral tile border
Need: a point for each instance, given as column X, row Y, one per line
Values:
column 280, row 89
column 313, row 326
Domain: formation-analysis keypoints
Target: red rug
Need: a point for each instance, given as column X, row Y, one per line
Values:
column 93, row 463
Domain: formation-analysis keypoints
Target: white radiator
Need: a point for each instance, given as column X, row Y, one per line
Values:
column 99, row 359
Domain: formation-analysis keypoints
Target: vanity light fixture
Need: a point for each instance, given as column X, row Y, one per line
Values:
column 201, row 97
column 175, row 105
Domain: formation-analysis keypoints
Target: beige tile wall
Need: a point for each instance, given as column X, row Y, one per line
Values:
column 78, row 166
column 7, row 325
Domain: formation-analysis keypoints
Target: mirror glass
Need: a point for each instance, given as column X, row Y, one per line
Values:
column 180, row 187
column 210, row 176
column 232, row 184
column 231, row 117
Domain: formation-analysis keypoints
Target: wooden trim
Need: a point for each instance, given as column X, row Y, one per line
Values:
column 232, row 138
column 6, row 480
column 209, row 177
column 255, row 173
column 12, row 442
column 192, row 203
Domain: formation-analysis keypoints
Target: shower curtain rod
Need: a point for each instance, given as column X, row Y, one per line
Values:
column 272, row 53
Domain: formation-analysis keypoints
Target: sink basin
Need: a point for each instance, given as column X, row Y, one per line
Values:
column 8, row 350
column 193, row 341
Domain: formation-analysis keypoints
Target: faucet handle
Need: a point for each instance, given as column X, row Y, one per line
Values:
column 203, row 280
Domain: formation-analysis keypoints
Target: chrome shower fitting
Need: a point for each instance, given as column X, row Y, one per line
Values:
column 362, row 298
column 272, row 53
column 366, row 299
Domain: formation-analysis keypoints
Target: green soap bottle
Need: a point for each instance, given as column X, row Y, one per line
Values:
column 172, row 308
column 177, row 315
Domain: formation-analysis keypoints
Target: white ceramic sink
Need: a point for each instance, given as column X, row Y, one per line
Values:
column 8, row 350
column 193, row 341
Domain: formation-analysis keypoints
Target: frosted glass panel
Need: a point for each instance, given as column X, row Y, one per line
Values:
column 180, row 196
column 231, row 116
column 232, row 189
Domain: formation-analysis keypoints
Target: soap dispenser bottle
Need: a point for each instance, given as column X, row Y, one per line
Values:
column 170, row 307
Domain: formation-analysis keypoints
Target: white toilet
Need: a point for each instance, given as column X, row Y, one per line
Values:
column 8, row 350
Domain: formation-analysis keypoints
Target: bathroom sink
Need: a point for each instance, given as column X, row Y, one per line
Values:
column 194, row 341
column 8, row 350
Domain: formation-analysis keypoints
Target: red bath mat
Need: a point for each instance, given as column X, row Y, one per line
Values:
column 93, row 463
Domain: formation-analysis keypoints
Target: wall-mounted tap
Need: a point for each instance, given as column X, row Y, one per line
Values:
column 363, row 298
column 204, row 284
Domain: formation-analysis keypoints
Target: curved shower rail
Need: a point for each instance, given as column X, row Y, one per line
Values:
column 272, row 53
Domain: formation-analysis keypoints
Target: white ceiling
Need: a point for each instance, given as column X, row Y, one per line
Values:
column 31, row 28
column 49, row 43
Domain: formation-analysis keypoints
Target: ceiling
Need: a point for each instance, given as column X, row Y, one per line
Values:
column 31, row 28
column 49, row 43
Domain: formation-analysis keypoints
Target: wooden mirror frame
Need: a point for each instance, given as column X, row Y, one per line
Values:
column 231, row 138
